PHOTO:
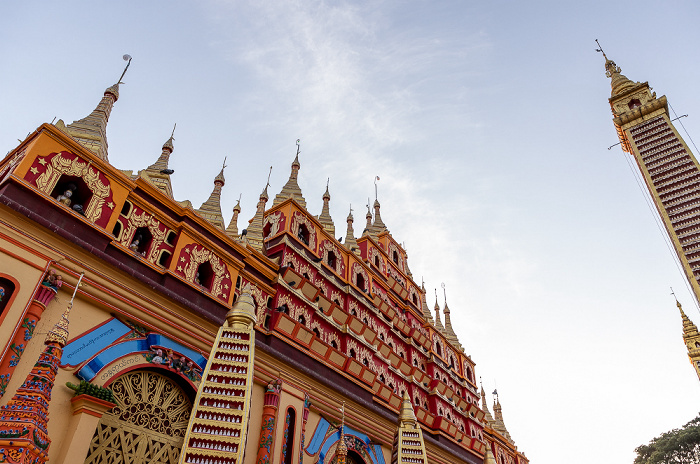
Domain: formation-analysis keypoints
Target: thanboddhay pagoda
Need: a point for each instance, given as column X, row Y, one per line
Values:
column 139, row 329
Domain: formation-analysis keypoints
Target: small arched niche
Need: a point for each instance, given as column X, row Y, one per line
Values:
column 141, row 242
column 204, row 275
column 73, row 192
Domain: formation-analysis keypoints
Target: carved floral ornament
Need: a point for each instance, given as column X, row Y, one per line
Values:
column 47, row 171
column 276, row 221
column 154, row 227
column 300, row 266
column 297, row 220
column 192, row 256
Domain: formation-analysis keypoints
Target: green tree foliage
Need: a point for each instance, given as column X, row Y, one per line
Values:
column 678, row 446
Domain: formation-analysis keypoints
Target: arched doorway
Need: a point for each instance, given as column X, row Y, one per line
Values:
column 146, row 426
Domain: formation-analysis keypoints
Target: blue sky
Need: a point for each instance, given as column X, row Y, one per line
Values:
column 488, row 123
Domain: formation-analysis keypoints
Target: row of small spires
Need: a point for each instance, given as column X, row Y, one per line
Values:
column 91, row 132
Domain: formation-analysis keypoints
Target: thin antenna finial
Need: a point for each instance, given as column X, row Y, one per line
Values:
column 126, row 58
column 368, row 208
column 444, row 292
column 350, row 208
column 172, row 136
column 224, row 166
column 600, row 49
column 239, row 197
column 328, row 181
column 376, row 196
column 298, row 146
column 268, row 177
column 674, row 295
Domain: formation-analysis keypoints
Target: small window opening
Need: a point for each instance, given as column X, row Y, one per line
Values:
column 376, row 261
column 352, row 353
column 365, row 362
column 126, row 208
column 283, row 309
column 396, row 257
column 303, row 234
column 331, row 260
column 72, row 192
column 317, row 332
column 204, row 275
column 164, row 259
column 117, row 231
column 301, row 319
column 381, row 378
column 238, row 282
column 170, row 238
column 634, row 103
column 381, row 337
column 334, row 344
column 141, row 241
column 360, row 280
column 415, row 300
column 353, row 312
column 266, row 230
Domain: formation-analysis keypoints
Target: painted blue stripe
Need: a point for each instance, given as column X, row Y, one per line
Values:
column 319, row 435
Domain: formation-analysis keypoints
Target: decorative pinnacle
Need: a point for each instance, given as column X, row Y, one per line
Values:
column 444, row 292
column 59, row 333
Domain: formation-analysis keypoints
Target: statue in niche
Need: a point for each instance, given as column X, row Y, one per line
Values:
column 52, row 280
column 135, row 244
column 65, row 197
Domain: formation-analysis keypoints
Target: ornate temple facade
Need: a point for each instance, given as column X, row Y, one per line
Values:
column 670, row 171
column 188, row 341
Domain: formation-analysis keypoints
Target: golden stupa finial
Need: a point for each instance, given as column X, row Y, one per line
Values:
column 169, row 143
column 407, row 414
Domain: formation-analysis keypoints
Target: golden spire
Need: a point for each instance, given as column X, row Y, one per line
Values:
column 618, row 82
column 426, row 311
column 407, row 416
column 243, row 310
column 449, row 331
column 342, row 450
column 691, row 337
column 498, row 424
column 487, row 414
column 255, row 229
column 161, row 163
column 291, row 188
column 91, row 131
column 438, row 323
column 232, row 229
column 408, row 442
column 59, row 333
column 211, row 209
column 368, row 217
column 489, row 458
column 325, row 216
column 350, row 242
column 158, row 173
column 378, row 226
